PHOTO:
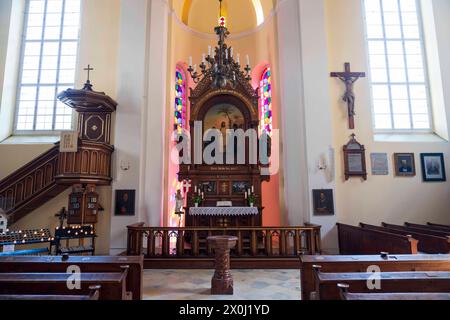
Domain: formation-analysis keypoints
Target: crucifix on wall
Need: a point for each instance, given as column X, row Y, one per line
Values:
column 349, row 78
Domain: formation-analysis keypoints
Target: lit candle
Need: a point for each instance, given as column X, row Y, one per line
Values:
column 226, row 54
column 238, row 58
column 203, row 58
column 195, row 189
column 248, row 60
column 245, row 194
column 195, row 68
column 190, row 61
column 231, row 52
column 209, row 51
column 253, row 189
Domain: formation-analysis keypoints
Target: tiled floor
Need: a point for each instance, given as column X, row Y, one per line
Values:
column 196, row 285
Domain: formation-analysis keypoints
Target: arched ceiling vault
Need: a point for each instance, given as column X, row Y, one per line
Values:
column 242, row 14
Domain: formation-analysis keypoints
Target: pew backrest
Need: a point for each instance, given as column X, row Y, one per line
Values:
column 88, row 264
column 361, row 263
column 356, row 240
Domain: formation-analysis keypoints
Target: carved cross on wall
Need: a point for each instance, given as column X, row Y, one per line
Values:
column 349, row 78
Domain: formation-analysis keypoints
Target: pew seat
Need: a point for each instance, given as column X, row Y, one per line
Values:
column 346, row 295
column 93, row 264
column 93, row 295
column 326, row 283
column 354, row 263
column 113, row 285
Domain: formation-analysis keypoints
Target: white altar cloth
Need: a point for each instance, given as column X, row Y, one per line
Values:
column 223, row 211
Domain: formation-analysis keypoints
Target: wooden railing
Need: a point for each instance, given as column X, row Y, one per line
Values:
column 51, row 173
column 159, row 242
column 29, row 183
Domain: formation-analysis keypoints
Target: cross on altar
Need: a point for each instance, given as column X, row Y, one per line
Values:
column 186, row 186
column 349, row 78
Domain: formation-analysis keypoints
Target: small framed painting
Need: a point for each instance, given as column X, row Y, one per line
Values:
column 433, row 167
column 323, row 202
column 125, row 202
column 405, row 165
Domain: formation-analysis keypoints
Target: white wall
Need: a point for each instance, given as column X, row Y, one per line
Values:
column 98, row 47
column 381, row 198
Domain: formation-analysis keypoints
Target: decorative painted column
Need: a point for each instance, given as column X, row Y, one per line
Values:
column 305, row 109
column 222, row 281
column 153, row 114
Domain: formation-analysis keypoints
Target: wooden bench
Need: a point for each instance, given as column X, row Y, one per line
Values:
column 427, row 243
column 428, row 227
column 113, row 284
column 93, row 264
column 356, row 240
column 438, row 225
column 349, row 263
column 345, row 295
column 94, row 294
column 326, row 283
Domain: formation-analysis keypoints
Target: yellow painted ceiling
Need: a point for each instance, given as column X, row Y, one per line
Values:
column 242, row 15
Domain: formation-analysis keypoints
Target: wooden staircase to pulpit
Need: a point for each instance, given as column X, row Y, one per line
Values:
column 48, row 175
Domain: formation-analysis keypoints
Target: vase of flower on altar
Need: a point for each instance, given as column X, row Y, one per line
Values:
column 251, row 200
column 198, row 200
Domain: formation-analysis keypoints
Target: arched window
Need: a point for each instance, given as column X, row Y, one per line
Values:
column 180, row 101
column 266, row 102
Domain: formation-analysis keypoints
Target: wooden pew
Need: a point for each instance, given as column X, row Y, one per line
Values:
column 427, row 243
column 94, row 294
column 349, row 263
column 113, row 284
column 429, row 231
column 326, row 283
column 356, row 240
column 428, row 227
column 92, row 264
column 438, row 225
column 345, row 295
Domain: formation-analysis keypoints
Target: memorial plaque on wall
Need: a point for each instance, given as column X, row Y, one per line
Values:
column 355, row 159
column 380, row 165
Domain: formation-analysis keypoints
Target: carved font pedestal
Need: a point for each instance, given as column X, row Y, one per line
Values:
column 222, row 281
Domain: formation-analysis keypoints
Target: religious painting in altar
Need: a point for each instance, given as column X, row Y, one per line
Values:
column 223, row 117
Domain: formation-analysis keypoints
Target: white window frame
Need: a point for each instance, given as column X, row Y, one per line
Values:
column 407, row 83
column 35, row 132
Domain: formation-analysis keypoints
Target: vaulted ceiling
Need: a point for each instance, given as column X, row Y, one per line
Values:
column 242, row 15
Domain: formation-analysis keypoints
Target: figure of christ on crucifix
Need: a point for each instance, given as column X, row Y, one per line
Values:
column 349, row 78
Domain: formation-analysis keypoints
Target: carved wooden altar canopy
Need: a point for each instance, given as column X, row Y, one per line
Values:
column 224, row 182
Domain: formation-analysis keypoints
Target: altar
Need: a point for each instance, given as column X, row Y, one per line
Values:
column 225, row 216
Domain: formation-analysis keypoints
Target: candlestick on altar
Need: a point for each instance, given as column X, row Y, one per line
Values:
column 245, row 194
column 253, row 189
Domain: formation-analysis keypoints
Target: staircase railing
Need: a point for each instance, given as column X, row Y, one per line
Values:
column 51, row 173
column 31, row 181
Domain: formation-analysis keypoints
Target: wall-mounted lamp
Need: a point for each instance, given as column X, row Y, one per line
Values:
column 125, row 165
column 326, row 164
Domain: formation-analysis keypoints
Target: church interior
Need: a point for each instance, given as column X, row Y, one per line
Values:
column 224, row 149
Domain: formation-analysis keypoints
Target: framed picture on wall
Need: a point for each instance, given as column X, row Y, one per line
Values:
column 125, row 203
column 405, row 165
column 433, row 167
column 323, row 202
